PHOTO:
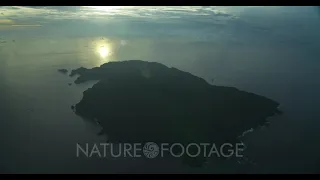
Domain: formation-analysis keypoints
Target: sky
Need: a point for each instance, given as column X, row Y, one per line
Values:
column 97, row 20
column 194, row 22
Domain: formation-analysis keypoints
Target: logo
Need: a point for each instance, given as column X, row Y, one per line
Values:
column 151, row 150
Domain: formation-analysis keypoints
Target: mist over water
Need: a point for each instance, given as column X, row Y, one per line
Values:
column 270, row 51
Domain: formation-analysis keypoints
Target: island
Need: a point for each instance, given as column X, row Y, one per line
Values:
column 63, row 71
column 138, row 101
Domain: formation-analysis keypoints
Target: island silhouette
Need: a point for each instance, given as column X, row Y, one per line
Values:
column 138, row 102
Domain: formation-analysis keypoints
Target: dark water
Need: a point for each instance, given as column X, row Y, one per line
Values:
column 39, row 131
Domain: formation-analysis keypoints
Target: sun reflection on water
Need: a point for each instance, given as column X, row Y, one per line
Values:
column 103, row 48
column 104, row 52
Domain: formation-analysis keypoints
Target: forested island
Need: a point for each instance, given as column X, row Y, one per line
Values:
column 139, row 101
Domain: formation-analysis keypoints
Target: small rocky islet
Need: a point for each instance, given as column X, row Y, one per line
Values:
column 63, row 71
column 137, row 102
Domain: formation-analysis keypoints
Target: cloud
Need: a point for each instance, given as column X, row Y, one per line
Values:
column 199, row 21
column 59, row 8
column 6, row 24
column 106, row 12
column 126, row 17
column 6, row 21
column 26, row 25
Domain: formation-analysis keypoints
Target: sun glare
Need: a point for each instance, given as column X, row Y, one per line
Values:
column 102, row 49
column 104, row 52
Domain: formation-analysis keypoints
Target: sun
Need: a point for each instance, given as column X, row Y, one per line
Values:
column 104, row 52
